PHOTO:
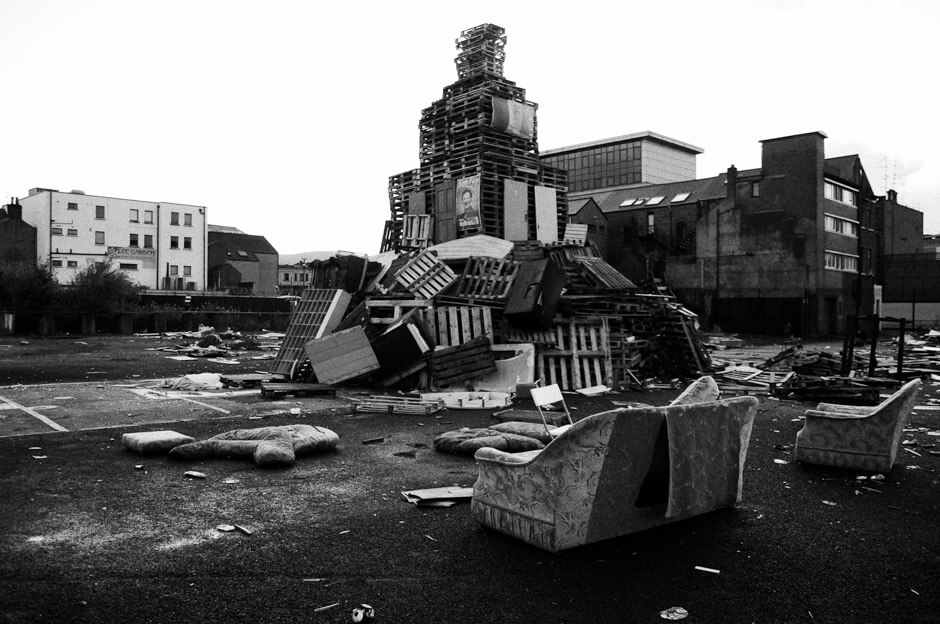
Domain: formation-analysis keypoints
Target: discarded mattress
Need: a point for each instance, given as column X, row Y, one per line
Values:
column 467, row 441
column 269, row 446
column 196, row 381
column 154, row 442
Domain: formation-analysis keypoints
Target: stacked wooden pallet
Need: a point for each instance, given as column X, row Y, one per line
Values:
column 453, row 365
column 581, row 359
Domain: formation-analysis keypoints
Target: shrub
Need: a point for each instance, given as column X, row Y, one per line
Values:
column 25, row 287
column 101, row 289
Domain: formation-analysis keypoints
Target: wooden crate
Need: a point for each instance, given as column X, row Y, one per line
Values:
column 454, row 325
column 340, row 356
column 388, row 311
column 318, row 312
column 582, row 358
column 425, row 276
column 272, row 390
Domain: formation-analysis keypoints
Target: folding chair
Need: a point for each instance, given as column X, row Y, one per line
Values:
column 546, row 397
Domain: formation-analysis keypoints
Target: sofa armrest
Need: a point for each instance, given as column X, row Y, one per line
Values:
column 834, row 415
column 494, row 456
column 846, row 409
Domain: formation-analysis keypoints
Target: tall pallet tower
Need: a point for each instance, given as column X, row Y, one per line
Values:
column 480, row 171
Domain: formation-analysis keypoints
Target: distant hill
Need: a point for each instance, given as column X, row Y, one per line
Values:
column 307, row 256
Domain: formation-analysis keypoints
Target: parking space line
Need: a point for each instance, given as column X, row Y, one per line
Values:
column 34, row 414
column 171, row 396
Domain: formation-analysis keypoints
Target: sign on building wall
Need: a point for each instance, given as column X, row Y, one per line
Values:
column 145, row 257
column 516, row 118
column 468, row 203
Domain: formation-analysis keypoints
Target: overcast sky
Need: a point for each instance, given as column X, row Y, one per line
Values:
column 286, row 118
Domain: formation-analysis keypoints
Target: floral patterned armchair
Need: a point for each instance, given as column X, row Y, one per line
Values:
column 861, row 438
column 619, row 471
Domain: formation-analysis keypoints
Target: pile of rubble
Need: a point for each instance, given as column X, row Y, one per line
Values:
column 484, row 314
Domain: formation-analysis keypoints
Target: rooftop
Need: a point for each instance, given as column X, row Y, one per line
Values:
column 646, row 134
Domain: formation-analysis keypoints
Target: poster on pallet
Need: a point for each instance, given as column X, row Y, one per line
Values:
column 468, row 203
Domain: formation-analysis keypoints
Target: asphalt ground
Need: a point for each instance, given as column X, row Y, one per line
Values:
column 86, row 536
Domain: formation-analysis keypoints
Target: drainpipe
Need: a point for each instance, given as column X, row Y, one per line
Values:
column 157, row 247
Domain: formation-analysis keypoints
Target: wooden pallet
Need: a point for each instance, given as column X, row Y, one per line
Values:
column 271, row 390
column 398, row 405
column 246, row 380
column 454, row 325
column 486, row 278
column 453, row 365
column 425, row 276
column 575, row 233
column 417, row 232
column 582, row 358
column 318, row 312
column 388, row 311
column 341, row 356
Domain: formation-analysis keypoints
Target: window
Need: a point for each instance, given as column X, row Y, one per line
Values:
column 836, row 261
column 72, row 232
column 73, row 206
column 135, row 215
column 134, row 240
column 174, row 242
column 174, row 269
column 56, row 230
column 72, row 264
column 680, row 197
column 839, row 225
column 187, row 219
column 128, row 266
column 626, row 203
column 187, row 242
column 652, row 201
column 287, row 277
column 57, row 263
column 755, row 189
column 174, row 218
column 148, row 241
column 840, row 193
column 99, row 238
column 187, row 270
column 99, row 212
column 650, row 223
column 148, row 216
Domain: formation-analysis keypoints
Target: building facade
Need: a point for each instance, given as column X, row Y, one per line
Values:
column 795, row 243
column 293, row 279
column 241, row 263
column 639, row 158
column 17, row 238
column 158, row 245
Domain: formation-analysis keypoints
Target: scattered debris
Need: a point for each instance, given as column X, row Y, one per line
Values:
column 373, row 441
column 674, row 613
column 438, row 497
column 825, row 502
column 194, row 474
column 362, row 613
column 326, row 607
column 225, row 528
column 704, row 569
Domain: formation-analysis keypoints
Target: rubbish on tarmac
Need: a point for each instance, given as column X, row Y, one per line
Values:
column 363, row 612
column 674, row 613
column 193, row 474
column 326, row 607
column 704, row 569
column 438, row 497
column 225, row 528
column 154, row 442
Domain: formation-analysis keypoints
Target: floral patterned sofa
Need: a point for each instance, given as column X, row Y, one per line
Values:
column 861, row 438
column 619, row 471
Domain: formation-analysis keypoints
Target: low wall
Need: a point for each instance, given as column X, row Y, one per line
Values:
column 918, row 315
column 49, row 323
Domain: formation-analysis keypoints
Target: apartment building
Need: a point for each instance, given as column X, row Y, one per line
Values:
column 159, row 245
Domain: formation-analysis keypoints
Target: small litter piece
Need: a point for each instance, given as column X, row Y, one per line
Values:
column 674, row 613
column 704, row 569
column 825, row 502
column 230, row 481
column 363, row 613
column 40, row 456
column 438, row 497
column 593, row 390
column 326, row 607
column 225, row 528
column 781, row 461
column 138, row 466
column 194, row 474
column 877, row 477
column 243, row 529
column 374, row 441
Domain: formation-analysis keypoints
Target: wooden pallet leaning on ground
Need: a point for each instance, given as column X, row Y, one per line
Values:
column 582, row 358
column 318, row 312
column 271, row 390
column 398, row 405
column 454, row 325
column 453, row 365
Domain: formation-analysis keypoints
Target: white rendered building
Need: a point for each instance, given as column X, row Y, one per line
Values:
column 159, row 245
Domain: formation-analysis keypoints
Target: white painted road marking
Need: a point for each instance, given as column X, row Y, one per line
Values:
column 34, row 414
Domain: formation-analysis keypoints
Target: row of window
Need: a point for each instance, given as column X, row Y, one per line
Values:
column 134, row 239
column 148, row 215
column 297, row 277
column 175, row 270
column 839, row 225
column 840, row 193
column 841, row 262
column 127, row 266
column 599, row 167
